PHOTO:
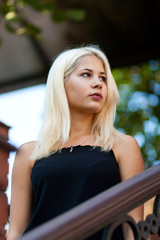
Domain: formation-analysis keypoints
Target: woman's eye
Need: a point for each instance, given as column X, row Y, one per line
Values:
column 86, row 74
column 103, row 78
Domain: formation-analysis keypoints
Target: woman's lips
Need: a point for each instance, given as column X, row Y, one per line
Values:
column 96, row 96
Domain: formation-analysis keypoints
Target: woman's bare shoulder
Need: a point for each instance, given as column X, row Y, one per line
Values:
column 27, row 147
column 129, row 157
column 126, row 144
column 125, row 141
column 25, row 152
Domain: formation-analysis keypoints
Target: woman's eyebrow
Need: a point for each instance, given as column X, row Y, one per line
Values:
column 87, row 69
column 92, row 70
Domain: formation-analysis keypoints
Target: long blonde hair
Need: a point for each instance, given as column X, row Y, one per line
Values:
column 56, row 127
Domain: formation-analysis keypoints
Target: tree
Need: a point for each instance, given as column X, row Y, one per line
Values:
column 138, row 112
column 11, row 11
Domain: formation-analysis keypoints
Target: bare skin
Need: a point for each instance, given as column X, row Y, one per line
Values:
column 83, row 107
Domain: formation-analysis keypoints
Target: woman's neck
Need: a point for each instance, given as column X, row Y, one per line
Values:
column 81, row 125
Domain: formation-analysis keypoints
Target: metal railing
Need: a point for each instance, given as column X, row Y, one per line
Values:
column 108, row 209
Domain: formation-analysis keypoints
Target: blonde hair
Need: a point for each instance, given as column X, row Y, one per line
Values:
column 56, row 127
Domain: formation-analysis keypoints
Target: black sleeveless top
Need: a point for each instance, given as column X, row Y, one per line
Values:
column 65, row 179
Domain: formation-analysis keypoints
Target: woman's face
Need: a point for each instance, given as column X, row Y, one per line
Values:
column 86, row 87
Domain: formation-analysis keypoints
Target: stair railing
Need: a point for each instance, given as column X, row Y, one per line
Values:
column 108, row 209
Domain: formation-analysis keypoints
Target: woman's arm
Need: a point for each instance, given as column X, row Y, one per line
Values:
column 130, row 162
column 21, row 191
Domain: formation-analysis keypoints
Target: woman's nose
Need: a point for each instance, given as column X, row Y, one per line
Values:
column 97, row 83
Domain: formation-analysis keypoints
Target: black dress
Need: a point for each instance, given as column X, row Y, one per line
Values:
column 65, row 179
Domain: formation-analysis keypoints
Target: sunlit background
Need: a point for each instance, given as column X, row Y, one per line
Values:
column 22, row 110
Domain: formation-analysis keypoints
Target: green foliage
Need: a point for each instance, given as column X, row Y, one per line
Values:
column 76, row 14
column 15, row 22
column 138, row 113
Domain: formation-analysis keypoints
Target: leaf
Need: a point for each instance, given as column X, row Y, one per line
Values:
column 13, row 17
column 32, row 29
column 40, row 6
column 10, row 28
column 21, row 31
column 76, row 14
column 58, row 16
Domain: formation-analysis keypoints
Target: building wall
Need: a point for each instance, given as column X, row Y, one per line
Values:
column 5, row 149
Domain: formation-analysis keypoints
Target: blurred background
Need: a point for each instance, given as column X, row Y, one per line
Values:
column 33, row 32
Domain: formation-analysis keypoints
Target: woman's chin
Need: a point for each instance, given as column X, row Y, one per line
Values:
column 94, row 110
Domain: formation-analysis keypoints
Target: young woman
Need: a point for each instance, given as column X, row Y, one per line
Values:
column 79, row 152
